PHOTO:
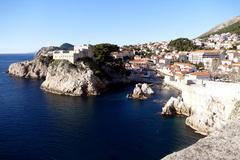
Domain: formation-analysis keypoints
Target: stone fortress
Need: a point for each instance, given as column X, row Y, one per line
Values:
column 79, row 51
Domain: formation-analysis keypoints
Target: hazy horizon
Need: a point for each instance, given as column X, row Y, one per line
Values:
column 29, row 25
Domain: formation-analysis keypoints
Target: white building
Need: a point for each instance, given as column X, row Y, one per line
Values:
column 79, row 51
column 233, row 55
column 204, row 75
column 206, row 57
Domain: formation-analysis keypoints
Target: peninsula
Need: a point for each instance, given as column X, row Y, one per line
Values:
column 73, row 70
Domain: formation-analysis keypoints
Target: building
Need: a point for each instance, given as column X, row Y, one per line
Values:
column 123, row 54
column 85, row 50
column 236, row 67
column 206, row 57
column 80, row 51
column 179, row 76
column 238, row 47
column 204, row 75
column 186, row 67
column 233, row 56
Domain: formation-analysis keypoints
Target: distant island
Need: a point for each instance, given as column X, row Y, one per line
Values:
column 206, row 70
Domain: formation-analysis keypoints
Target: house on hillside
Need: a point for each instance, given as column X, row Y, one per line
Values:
column 207, row 57
column 203, row 75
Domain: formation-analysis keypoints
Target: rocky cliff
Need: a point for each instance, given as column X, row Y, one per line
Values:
column 44, row 51
column 36, row 68
column 72, row 79
column 214, row 110
column 222, row 26
column 208, row 107
column 86, row 77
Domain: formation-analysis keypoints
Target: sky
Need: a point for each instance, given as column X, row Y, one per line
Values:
column 28, row 25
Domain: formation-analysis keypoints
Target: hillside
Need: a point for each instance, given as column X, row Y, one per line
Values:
column 232, row 26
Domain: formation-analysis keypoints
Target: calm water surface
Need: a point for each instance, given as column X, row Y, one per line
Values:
column 40, row 126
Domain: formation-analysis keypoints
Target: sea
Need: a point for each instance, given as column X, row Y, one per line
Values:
column 35, row 125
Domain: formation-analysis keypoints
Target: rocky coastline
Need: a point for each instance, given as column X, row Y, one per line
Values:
column 34, row 69
column 206, row 107
column 209, row 112
column 74, row 80
column 84, row 78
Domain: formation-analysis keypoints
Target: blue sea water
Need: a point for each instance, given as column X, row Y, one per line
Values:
column 39, row 126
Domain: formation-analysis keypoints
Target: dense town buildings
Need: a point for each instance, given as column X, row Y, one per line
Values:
column 218, row 56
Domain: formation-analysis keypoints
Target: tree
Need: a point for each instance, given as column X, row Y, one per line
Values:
column 102, row 52
column 215, row 64
column 182, row 44
column 200, row 66
column 67, row 46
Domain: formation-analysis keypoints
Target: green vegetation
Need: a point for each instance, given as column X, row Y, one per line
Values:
column 118, row 66
column 200, row 66
column 45, row 59
column 66, row 46
column 144, row 54
column 102, row 52
column 182, row 44
column 65, row 62
column 55, row 62
column 234, row 28
column 95, row 67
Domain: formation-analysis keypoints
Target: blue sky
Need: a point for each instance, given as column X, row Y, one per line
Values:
column 27, row 25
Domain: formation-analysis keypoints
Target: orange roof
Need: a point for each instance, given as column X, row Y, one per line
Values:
column 180, row 75
column 237, row 64
column 203, row 73
column 138, row 61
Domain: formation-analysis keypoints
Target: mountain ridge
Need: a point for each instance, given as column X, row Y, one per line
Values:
column 224, row 27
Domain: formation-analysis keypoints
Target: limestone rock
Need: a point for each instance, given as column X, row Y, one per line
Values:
column 86, row 77
column 221, row 144
column 142, row 91
column 208, row 108
column 36, row 68
column 74, row 80
column 44, row 51
column 146, row 89
column 175, row 106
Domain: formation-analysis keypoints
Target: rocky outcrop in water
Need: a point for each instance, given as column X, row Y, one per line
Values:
column 86, row 77
column 223, row 143
column 176, row 106
column 72, row 79
column 141, row 91
column 207, row 108
column 36, row 68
